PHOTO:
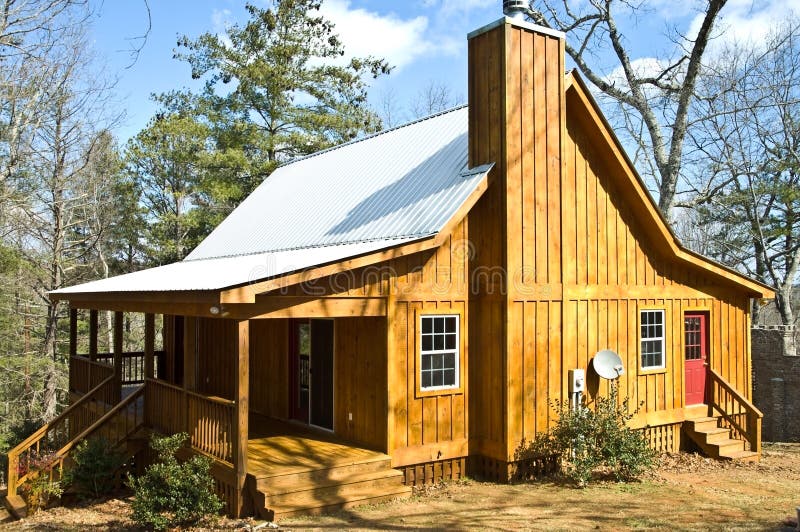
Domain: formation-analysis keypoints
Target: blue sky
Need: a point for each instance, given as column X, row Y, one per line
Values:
column 424, row 39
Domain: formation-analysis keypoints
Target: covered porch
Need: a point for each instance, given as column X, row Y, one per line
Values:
column 230, row 384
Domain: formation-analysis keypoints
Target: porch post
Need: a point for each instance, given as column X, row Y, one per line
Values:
column 92, row 345
column 189, row 353
column 189, row 365
column 149, row 345
column 240, row 430
column 73, row 332
column 73, row 343
column 118, row 317
column 93, row 335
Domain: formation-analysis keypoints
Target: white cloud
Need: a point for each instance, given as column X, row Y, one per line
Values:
column 221, row 19
column 449, row 7
column 643, row 67
column 399, row 41
column 748, row 21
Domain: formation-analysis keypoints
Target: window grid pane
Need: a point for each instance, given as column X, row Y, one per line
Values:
column 652, row 338
column 439, row 352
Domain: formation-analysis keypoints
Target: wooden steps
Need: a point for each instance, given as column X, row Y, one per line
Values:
column 322, row 489
column 716, row 441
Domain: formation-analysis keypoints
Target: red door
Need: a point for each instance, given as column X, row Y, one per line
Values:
column 695, row 342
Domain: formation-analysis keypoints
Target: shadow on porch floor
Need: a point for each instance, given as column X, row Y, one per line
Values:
column 277, row 447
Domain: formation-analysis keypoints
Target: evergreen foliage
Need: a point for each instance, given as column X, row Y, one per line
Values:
column 173, row 494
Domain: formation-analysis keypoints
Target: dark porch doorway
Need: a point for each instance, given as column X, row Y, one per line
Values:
column 311, row 371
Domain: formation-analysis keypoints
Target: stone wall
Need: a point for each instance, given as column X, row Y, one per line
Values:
column 776, row 383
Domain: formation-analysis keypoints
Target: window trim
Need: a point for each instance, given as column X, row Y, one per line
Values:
column 663, row 366
column 459, row 359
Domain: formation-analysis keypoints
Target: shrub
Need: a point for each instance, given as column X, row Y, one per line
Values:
column 170, row 493
column 95, row 463
column 585, row 439
column 41, row 486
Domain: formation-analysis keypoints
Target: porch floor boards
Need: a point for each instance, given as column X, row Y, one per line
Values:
column 277, row 447
column 294, row 469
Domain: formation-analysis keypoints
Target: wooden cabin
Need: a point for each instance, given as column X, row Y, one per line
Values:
column 405, row 307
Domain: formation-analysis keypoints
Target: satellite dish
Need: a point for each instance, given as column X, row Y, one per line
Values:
column 608, row 364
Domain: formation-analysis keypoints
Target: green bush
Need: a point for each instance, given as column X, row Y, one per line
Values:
column 585, row 439
column 170, row 493
column 42, row 485
column 95, row 462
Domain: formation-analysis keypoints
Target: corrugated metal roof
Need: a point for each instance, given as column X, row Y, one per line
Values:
column 219, row 273
column 402, row 182
column 391, row 188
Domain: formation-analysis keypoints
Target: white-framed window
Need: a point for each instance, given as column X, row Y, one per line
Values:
column 439, row 352
column 652, row 338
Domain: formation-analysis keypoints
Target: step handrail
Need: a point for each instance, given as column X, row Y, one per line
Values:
column 125, row 403
column 752, row 432
column 38, row 435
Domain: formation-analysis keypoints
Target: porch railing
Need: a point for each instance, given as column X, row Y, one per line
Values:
column 132, row 365
column 207, row 420
column 43, row 446
column 738, row 414
column 86, row 374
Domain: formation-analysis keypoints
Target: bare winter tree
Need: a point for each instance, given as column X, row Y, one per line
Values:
column 48, row 226
column 750, row 137
column 655, row 98
column 432, row 98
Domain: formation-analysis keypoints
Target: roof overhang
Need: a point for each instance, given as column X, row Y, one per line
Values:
column 193, row 287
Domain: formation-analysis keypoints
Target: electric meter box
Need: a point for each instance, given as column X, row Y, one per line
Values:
column 577, row 380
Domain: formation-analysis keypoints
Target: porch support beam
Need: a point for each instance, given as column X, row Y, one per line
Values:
column 93, row 335
column 189, row 353
column 241, row 429
column 73, row 332
column 118, row 322
column 149, row 344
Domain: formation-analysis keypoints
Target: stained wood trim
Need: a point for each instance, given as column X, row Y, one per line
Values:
column 189, row 353
column 315, row 307
column 174, row 308
column 149, row 345
column 248, row 293
column 242, row 387
column 660, row 229
column 417, row 454
column 166, row 298
column 73, row 332
column 92, row 335
column 656, row 418
column 395, row 380
column 461, row 213
column 462, row 376
column 118, row 323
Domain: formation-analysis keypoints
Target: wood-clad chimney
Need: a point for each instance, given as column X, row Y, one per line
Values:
column 516, row 120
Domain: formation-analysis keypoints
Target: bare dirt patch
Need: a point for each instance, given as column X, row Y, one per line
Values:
column 686, row 492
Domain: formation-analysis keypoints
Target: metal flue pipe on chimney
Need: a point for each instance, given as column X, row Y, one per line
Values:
column 515, row 9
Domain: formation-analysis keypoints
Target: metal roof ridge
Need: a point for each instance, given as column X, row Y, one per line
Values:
column 373, row 135
column 312, row 246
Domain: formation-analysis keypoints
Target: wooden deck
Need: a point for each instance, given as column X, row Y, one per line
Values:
column 278, row 447
column 297, row 469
